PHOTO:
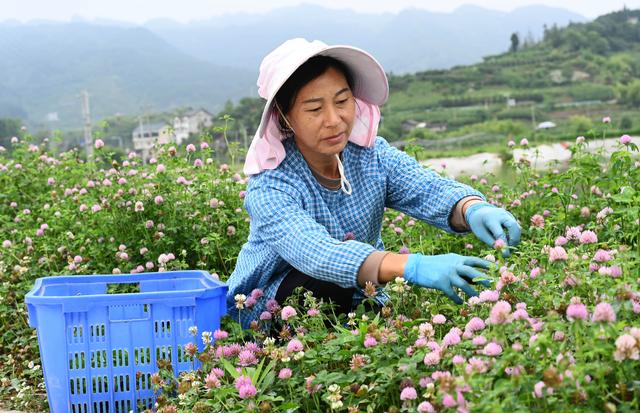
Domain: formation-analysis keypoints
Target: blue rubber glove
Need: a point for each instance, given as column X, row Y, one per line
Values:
column 443, row 272
column 488, row 222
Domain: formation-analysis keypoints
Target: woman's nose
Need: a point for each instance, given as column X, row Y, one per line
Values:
column 332, row 117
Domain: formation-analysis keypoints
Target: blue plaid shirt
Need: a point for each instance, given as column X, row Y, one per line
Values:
column 296, row 222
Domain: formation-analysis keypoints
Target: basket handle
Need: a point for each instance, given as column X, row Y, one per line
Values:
column 141, row 311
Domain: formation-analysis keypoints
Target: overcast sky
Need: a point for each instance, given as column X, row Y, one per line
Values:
column 139, row 11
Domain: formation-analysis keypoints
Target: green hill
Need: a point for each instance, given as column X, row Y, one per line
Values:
column 573, row 78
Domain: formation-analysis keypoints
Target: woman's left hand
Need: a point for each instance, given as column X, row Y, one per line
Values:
column 488, row 223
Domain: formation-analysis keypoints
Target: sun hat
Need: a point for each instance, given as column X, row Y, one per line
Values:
column 370, row 90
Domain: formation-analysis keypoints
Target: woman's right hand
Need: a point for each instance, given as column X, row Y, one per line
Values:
column 443, row 272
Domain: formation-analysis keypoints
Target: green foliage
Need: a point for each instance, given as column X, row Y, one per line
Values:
column 626, row 123
column 612, row 32
column 588, row 91
column 630, row 94
column 580, row 124
column 515, row 42
column 500, row 127
column 8, row 129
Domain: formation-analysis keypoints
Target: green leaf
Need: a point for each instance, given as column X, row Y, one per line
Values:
column 229, row 368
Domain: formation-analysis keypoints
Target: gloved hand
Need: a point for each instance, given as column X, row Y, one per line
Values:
column 443, row 272
column 487, row 222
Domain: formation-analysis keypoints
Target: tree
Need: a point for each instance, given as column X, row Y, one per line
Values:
column 630, row 94
column 529, row 40
column 580, row 124
column 9, row 128
column 515, row 42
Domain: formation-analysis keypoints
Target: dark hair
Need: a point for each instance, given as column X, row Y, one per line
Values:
column 308, row 71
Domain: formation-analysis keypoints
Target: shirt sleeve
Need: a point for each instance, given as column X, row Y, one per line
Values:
column 279, row 219
column 418, row 191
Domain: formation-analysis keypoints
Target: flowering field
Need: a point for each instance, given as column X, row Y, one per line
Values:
column 558, row 330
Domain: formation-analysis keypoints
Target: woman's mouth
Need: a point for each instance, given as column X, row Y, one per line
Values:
column 334, row 139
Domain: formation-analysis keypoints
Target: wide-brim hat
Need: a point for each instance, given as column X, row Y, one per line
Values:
column 370, row 81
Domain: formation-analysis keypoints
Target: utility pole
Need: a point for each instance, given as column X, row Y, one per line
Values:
column 141, row 140
column 86, row 114
column 533, row 115
column 243, row 130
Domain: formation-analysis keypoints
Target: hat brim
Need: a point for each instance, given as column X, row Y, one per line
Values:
column 369, row 79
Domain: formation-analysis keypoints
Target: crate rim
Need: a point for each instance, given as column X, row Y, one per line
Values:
column 32, row 297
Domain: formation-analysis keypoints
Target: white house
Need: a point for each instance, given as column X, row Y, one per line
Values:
column 147, row 135
column 191, row 122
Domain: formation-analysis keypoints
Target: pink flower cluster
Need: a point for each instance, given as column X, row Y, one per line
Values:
column 604, row 313
column 628, row 346
column 500, row 313
column 294, row 346
column 288, row 312
column 245, row 387
column 576, row 310
column 557, row 254
column 492, row 349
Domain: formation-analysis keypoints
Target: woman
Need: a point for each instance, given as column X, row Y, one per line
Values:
column 321, row 178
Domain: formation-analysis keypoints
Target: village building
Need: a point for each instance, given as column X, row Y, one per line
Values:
column 145, row 136
column 192, row 122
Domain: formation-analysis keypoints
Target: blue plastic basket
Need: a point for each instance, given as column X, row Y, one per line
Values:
column 99, row 349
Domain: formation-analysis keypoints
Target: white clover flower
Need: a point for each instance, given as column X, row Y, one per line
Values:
column 193, row 330
column 240, row 300
column 269, row 341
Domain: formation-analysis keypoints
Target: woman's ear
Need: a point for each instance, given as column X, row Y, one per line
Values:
column 283, row 122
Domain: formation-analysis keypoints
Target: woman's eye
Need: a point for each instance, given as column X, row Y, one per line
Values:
column 314, row 110
column 342, row 102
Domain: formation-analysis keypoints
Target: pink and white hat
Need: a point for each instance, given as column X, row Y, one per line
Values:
column 370, row 89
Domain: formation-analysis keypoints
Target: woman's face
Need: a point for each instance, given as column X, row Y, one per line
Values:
column 322, row 116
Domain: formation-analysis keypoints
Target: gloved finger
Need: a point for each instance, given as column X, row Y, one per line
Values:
column 514, row 229
column 467, row 271
column 484, row 235
column 484, row 283
column 464, row 286
column 448, row 291
column 495, row 228
column 469, row 274
column 477, row 262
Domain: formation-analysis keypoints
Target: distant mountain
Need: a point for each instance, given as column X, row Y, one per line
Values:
column 409, row 41
column 45, row 66
column 164, row 64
